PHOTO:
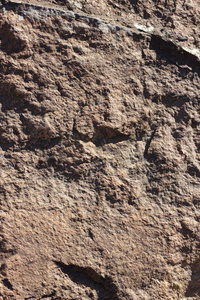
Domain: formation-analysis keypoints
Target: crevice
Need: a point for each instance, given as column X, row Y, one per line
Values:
column 7, row 284
column 178, row 55
column 148, row 143
column 103, row 135
column 86, row 276
column 114, row 140
column 170, row 49
column 193, row 170
column 193, row 289
column 90, row 234
column 49, row 295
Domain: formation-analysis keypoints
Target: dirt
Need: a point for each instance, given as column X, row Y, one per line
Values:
column 99, row 150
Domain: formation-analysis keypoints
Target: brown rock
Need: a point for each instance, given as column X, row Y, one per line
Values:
column 99, row 150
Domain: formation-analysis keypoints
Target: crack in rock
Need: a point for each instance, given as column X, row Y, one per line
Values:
column 105, row 287
column 39, row 11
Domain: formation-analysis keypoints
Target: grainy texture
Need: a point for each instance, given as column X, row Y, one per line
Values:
column 99, row 150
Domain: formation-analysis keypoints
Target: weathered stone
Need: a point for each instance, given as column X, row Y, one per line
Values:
column 99, row 150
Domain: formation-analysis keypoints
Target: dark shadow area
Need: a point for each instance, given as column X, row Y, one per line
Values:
column 149, row 143
column 103, row 135
column 10, row 40
column 7, row 284
column 49, row 295
column 105, row 287
column 193, row 288
column 172, row 53
column 114, row 140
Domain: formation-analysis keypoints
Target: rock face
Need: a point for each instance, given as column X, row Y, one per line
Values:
column 99, row 150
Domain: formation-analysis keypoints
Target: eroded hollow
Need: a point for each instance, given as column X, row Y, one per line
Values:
column 194, row 285
column 105, row 287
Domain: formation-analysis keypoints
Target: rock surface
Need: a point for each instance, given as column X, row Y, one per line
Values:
column 99, row 150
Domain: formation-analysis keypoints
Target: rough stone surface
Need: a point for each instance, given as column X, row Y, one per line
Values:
column 99, row 150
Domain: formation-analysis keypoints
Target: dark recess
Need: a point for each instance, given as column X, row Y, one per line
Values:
column 105, row 287
column 7, row 283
